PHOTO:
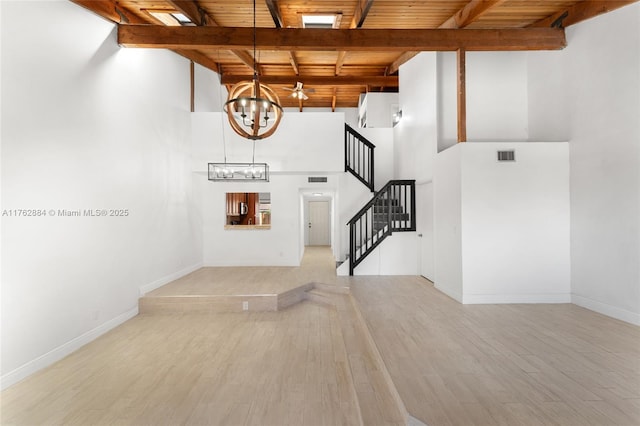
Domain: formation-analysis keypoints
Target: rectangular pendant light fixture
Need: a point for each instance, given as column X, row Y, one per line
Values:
column 239, row 172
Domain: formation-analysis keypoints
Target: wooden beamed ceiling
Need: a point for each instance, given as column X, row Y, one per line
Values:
column 364, row 50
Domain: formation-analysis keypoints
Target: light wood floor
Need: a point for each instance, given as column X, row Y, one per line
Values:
column 308, row 364
column 267, row 368
column 459, row 364
column 317, row 265
column 305, row 365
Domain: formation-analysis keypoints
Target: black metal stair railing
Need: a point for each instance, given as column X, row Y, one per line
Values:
column 392, row 209
column 358, row 156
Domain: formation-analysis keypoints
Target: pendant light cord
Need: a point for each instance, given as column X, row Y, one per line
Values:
column 255, row 68
column 224, row 143
column 253, row 159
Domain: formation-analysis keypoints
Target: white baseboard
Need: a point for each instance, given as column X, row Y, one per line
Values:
column 144, row 289
column 479, row 299
column 606, row 309
column 62, row 351
column 452, row 294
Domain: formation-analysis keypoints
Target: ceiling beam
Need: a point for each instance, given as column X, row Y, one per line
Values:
column 463, row 17
column 279, row 39
column 470, row 13
column 359, row 15
column 361, row 12
column 274, row 10
column 342, row 55
column 374, row 80
column 579, row 12
column 334, row 99
column 199, row 58
column 405, row 57
column 111, row 12
column 294, row 62
column 246, row 59
column 462, row 95
column 193, row 11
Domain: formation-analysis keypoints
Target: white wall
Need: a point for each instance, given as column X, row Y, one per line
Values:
column 502, row 229
column 497, row 97
column 306, row 144
column 278, row 246
column 515, row 223
column 416, row 134
column 548, row 110
column 447, row 196
column 396, row 255
column 87, row 125
column 210, row 96
column 424, row 229
column 415, row 146
column 602, row 75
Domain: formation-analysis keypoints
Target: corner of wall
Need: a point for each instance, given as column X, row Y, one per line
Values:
column 606, row 309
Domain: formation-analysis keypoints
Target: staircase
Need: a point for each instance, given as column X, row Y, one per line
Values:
column 392, row 208
column 358, row 157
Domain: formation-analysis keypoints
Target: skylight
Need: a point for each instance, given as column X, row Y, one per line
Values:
column 320, row 21
column 181, row 18
column 169, row 17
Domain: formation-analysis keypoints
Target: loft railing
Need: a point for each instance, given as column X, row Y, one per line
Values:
column 392, row 209
column 358, row 156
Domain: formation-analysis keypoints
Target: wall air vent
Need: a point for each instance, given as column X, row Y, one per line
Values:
column 506, row 155
column 317, row 179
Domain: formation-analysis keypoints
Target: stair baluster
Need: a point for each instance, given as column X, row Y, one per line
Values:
column 392, row 209
column 358, row 156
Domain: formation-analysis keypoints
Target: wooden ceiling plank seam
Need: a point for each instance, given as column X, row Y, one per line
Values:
column 239, row 38
column 579, row 12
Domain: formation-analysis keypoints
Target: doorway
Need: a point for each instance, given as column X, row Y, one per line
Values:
column 319, row 223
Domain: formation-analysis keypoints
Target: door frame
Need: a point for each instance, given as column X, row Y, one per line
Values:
column 307, row 195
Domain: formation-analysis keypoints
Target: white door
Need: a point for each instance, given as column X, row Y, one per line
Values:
column 319, row 223
column 424, row 228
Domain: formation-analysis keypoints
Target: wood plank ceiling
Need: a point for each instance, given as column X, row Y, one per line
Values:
column 363, row 51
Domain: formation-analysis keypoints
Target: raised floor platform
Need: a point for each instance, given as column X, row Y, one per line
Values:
column 255, row 289
column 372, row 395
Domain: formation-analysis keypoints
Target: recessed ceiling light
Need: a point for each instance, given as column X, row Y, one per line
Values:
column 317, row 194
